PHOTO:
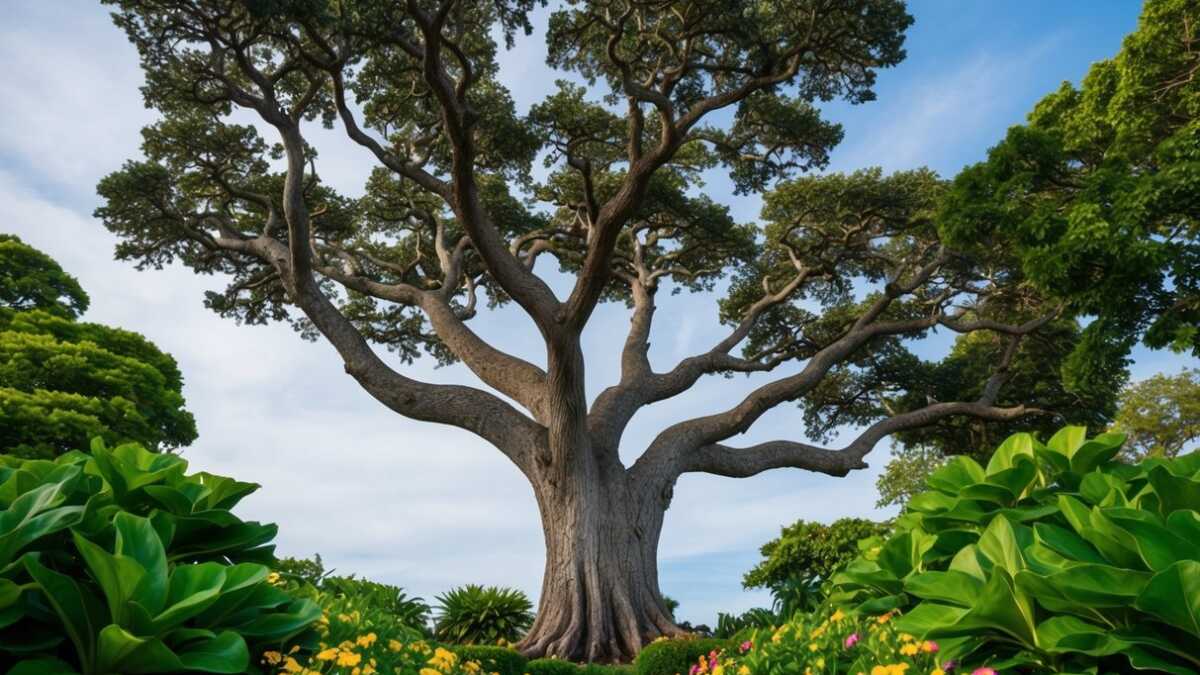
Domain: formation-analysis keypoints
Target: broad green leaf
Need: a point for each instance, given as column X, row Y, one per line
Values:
column 117, row 575
column 79, row 610
column 1067, row 440
column 193, row 589
column 1066, row 543
column 999, row 543
column 281, row 625
column 928, row 618
column 959, row 472
column 225, row 653
column 1096, row 451
column 1014, row 446
column 1173, row 595
column 1175, row 492
column 1159, row 546
column 952, row 586
column 119, row 651
column 1093, row 586
column 137, row 539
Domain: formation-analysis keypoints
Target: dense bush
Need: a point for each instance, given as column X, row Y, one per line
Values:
column 367, row 595
column 475, row 614
column 1053, row 558
column 120, row 562
column 560, row 667
column 493, row 659
column 675, row 655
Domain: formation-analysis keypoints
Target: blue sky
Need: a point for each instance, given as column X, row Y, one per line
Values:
column 428, row 507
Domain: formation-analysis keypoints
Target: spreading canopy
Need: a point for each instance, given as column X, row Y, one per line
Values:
column 65, row 382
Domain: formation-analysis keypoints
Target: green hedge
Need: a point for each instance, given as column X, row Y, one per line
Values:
column 671, row 657
column 560, row 667
column 493, row 659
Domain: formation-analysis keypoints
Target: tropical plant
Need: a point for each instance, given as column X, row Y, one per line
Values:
column 474, row 614
column 120, row 562
column 905, row 474
column 63, row 382
column 1055, row 557
column 733, row 625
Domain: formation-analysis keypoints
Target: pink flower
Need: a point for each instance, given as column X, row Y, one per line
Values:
column 983, row 671
column 852, row 640
column 746, row 646
column 694, row 669
column 929, row 647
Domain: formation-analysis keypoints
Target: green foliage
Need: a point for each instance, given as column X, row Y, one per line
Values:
column 63, row 382
column 807, row 553
column 30, row 279
column 1160, row 415
column 675, row 655
column 120, row 562
column 493, row 659
column 560, row 667
column 1054, row 557
column 475, row 614
column 1096, row 193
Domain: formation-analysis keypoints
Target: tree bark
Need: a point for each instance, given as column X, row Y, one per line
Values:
column 600, row 600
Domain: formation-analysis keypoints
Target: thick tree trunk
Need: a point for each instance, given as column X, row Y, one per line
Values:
column 600, row 599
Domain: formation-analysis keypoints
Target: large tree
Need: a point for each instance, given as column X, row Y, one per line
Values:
column 64, row 382
column 824, row 295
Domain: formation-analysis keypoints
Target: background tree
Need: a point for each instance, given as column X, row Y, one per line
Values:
column 904, row 475
column 806, row 554
column 63, row 382
column 1096, row 194
column 30, row 279
column 1160, row 415
column 824, row 295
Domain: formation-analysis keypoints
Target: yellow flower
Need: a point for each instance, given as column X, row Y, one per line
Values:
column 445, row 655
column 327, row 655
column 880, row 670
column 395, row 645
column 812, row 647
column 471, row 666
column 719, row 670
column 883, row 618
column 837, row 616
column 348, row 659
column 937, row 671
column 821, row 662
column 366, row 640
column 273, row 578
column 910, row 649
column 905, row 637
column 897, row 668
column 429, row 671
column 290, row 665
column 744, row 670
column 272, row 658
column 345, row 618
column 818, row 631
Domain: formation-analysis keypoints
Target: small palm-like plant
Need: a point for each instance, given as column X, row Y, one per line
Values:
column 474, row 614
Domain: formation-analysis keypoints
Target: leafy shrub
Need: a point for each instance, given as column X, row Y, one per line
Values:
column 493, row 659
column 552, row 667
column 477, row 615
column 1053, row 558
column 675, row 655
column 119, row 562
column 827, row 643
column 560, row 667
column 368, row 596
